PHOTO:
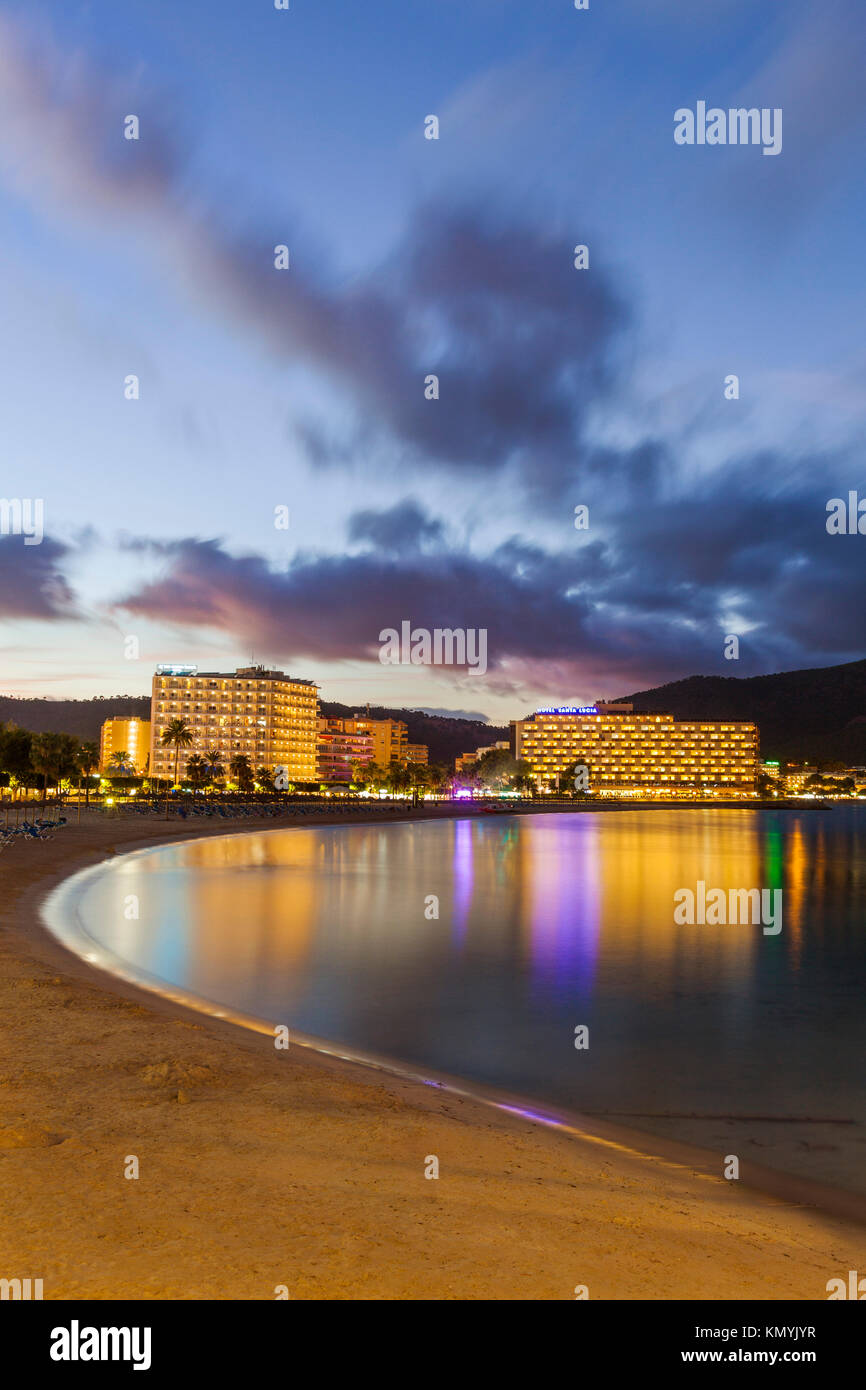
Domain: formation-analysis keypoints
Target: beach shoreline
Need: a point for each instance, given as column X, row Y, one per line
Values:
column 344, row 1143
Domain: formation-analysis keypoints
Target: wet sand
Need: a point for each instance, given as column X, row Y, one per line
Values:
column 260, row 1169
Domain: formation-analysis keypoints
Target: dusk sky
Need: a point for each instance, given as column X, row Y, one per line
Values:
column 304, row 388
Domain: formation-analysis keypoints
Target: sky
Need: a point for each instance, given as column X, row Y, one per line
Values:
column 297, row 395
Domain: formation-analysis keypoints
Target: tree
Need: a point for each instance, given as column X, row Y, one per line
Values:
column 398, row 778
column 120, row 765
column 88, row 759
column 438, row 776
column 196, row 770
column 419, row 775
column 213, row 763
column 265, row 779
column 15, row 746
column 523, row 780
column 360, row 773
column 179, row 735
column 369, row 775
column 242, row 772
column 495, row 768
column 53, row 757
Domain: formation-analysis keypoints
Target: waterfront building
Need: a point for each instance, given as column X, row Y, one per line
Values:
column 390, row 738
column 339, row 747
column 629, row 753
column 795, row 777
column 417, row 753
column 130, row 736
column 267, row 715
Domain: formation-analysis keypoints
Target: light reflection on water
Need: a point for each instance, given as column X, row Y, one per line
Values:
column 545, row 923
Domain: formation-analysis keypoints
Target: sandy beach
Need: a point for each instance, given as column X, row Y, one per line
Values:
column 260, row 1169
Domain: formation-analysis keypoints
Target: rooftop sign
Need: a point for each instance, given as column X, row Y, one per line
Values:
column 569, row 709
column 176, row 670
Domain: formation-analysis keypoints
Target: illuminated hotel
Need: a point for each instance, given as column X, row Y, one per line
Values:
column 270, row 717
column 129, row 736
column 340, row 748
column 638, row 754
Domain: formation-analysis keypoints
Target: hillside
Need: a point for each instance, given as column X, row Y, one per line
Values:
column 82, row 718
column 445, row 737
column 816, row 715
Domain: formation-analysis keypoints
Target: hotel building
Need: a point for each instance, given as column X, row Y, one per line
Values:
column 795, row 777
column 130, row 736
column 364, row 740
column 390, row 738
column 267, row 715
column 638, row 754
column 340, row 747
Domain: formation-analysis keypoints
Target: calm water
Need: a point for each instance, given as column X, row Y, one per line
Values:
column 545, row 923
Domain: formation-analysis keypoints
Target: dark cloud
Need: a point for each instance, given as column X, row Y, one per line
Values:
column 456, row 714
column 748, row 553
column 32, row 584
column 520, row 342
column 403, row 527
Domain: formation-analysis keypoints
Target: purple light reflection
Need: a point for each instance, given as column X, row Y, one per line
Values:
column 463, row 872
column 563, row 871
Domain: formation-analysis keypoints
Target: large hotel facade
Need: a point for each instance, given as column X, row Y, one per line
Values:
column 267, row 715
column 630, row 754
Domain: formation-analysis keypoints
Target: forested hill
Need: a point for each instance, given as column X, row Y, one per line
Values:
column 816, row 715
column 82, row 718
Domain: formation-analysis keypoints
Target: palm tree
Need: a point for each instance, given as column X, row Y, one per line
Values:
column 54, row 756
column 179, row 734
column 439, row 776
column 419, row 778
column 212, row 762
column 265, row 779
column 88, row 760
column 196, row 770
column 399, row 778
column 370, row 775
column 242, row 772
column 119, row 764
